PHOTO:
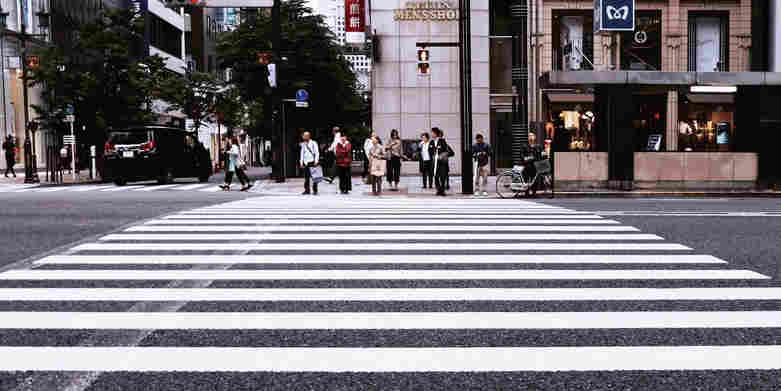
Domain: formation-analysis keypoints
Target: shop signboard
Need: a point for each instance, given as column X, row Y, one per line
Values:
column 654, row 143
column 722, row 133
column 428, row 10
column 614, row 15
column 355, row 21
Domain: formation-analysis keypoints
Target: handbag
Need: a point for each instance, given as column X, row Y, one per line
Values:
column 316, row 172
column 241, row 164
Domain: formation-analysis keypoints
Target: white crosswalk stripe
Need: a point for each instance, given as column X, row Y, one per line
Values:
column 201, row 187
column 304, row 270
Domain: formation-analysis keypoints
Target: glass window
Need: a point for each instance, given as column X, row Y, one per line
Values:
column 500, row 19
column 641, row 50
column 501, row 57
column 708, row 42
column 571, row 128
column 706, row 123
column 573, row 41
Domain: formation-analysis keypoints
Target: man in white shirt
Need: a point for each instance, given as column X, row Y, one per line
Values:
column 367, row 146
column 310, row 157
column 332, row 151
column 426, row 163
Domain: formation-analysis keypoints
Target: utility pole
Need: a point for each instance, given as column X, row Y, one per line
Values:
column 465, row 68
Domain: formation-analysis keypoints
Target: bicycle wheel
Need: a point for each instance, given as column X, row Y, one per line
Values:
column 504, row 184
column 546, row 185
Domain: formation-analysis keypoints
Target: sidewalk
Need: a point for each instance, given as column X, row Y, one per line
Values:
column 254, row 173
column 411, row 186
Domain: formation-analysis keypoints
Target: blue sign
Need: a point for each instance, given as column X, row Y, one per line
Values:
column 302, row 96
column 69, row 109
column 617, row 15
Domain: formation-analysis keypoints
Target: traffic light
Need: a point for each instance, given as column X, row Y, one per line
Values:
column 423, row 62
column 184, row 3
column 272, row 75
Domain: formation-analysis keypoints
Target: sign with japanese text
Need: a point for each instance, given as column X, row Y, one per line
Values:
column 355, row 21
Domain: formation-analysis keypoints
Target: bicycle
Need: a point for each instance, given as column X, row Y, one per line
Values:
column 520, row 180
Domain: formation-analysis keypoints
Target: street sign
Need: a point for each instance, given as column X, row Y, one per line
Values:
column 302, row 96
column 615, row 15
column 69, row 139
column 302, row 104
column 70, row 118
column 69, row 109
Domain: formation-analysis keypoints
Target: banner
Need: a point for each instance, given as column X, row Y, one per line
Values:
column 355, row 21
column 615, row 15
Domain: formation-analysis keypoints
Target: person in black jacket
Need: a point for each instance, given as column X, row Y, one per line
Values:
column 10, row 156
column 441, row 152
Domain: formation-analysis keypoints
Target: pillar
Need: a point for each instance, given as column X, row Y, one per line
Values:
column 616, row 109
column 671, row 137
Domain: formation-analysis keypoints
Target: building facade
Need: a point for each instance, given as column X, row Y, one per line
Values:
column 333, row 13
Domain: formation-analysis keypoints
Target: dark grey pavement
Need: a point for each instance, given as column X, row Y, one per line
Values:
column 744, row 233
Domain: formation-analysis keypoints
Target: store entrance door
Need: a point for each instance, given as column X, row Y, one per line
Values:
column 501, row 138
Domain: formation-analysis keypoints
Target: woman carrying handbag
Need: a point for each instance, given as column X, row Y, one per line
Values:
column 377, row 163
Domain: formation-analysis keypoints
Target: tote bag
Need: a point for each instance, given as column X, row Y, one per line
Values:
column 317, row 174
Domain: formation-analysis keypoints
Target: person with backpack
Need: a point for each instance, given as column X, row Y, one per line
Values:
column 309, row 159
column 481, row 152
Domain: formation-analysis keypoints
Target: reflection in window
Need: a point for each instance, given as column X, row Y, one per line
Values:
column 573, row 41
column 706, row 123
column 641, row 50
column 708, row 43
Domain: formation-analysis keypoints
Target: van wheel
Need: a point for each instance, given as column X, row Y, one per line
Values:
column 166, row 177
column 120, row 181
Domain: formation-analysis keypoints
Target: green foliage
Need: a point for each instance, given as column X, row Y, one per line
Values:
column 314, row 62
column 194, row 95
column 102, row 74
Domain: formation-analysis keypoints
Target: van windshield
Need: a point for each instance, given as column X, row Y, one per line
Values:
column 131, row 138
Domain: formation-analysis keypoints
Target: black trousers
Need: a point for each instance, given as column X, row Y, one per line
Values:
column 345, row 179
column 441, row 176
column 308, row 179
column 9, row 164
column 394, row 175
column 239, row 174
column 366, row 168
column 428, row 173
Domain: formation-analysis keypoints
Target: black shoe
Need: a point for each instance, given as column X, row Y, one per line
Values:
column 306, row 193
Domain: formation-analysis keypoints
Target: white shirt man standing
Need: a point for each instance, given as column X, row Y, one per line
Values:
column 310, row 157
column 332, row 153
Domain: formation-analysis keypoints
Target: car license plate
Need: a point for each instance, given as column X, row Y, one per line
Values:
column 127, row 154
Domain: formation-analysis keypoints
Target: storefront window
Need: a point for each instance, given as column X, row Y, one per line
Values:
column 500, row 19
column 641, row 50
column 573, row 41
column 501, row 57
column 708, row 42
column 571, row 128
column 706, row 123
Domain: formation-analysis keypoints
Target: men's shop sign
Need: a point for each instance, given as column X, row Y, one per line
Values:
column 427, row 10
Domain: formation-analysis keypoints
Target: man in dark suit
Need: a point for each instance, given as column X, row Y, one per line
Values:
column 441, row 152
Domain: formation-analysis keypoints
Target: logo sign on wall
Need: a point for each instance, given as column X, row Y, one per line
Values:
column 355, row 21
column 616, row 15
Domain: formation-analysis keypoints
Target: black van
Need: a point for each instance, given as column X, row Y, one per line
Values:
column 155, row 152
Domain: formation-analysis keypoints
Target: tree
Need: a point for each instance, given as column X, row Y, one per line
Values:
column 109, row 82
column 195, row 95
column 314, row 62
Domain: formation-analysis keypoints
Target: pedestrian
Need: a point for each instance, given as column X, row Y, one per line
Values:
column 309, row 159
column 232, row 167
column 367, row 147
column 334, row 167
column 441, row 152
column 344, row 161
column 394, row 169
column 426, row 162
column 481, row 152
column 10, row 155
column 241, row 165
column 377, row 155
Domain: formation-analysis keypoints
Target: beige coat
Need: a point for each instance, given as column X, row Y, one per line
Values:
column 377, row 160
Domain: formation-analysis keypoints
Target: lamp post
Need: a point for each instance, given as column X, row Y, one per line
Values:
column 30, row 166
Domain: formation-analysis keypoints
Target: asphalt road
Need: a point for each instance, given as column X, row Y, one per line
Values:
column 742, row 233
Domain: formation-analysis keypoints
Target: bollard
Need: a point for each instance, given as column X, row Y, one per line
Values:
column 92, row 162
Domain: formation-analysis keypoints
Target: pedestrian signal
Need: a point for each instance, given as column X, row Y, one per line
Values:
column 423, row 62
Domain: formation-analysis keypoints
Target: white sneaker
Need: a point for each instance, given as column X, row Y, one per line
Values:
column 485, row 194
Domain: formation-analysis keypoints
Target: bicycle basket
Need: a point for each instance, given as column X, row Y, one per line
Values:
column 543, row 166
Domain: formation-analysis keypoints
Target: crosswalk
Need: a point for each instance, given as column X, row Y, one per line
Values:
column 336, row 285
column 110, row 188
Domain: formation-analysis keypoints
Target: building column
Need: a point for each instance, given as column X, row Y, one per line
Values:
column 671, row 137
column 616, row 108
column 520, row 78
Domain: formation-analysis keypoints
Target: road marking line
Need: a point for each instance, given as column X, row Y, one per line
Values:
column 376, row 236
column 51, row 189
column 232, row 211
column 340, row 216
column 92, row 188
column 378, row 222
column 213, row 189
column 391, row 295
column 192, row 187
column 122, row 188
column 353, row 228
column 389, row 320
column 334, row 359
column 264, row 275
column 155, row 187
column 354, row 259
column 361, row 245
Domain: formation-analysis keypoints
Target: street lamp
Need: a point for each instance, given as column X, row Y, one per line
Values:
column 30, row 166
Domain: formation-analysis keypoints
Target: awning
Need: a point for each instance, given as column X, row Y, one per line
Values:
column 711, row 98
column 559, row 97
column 571, row 78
